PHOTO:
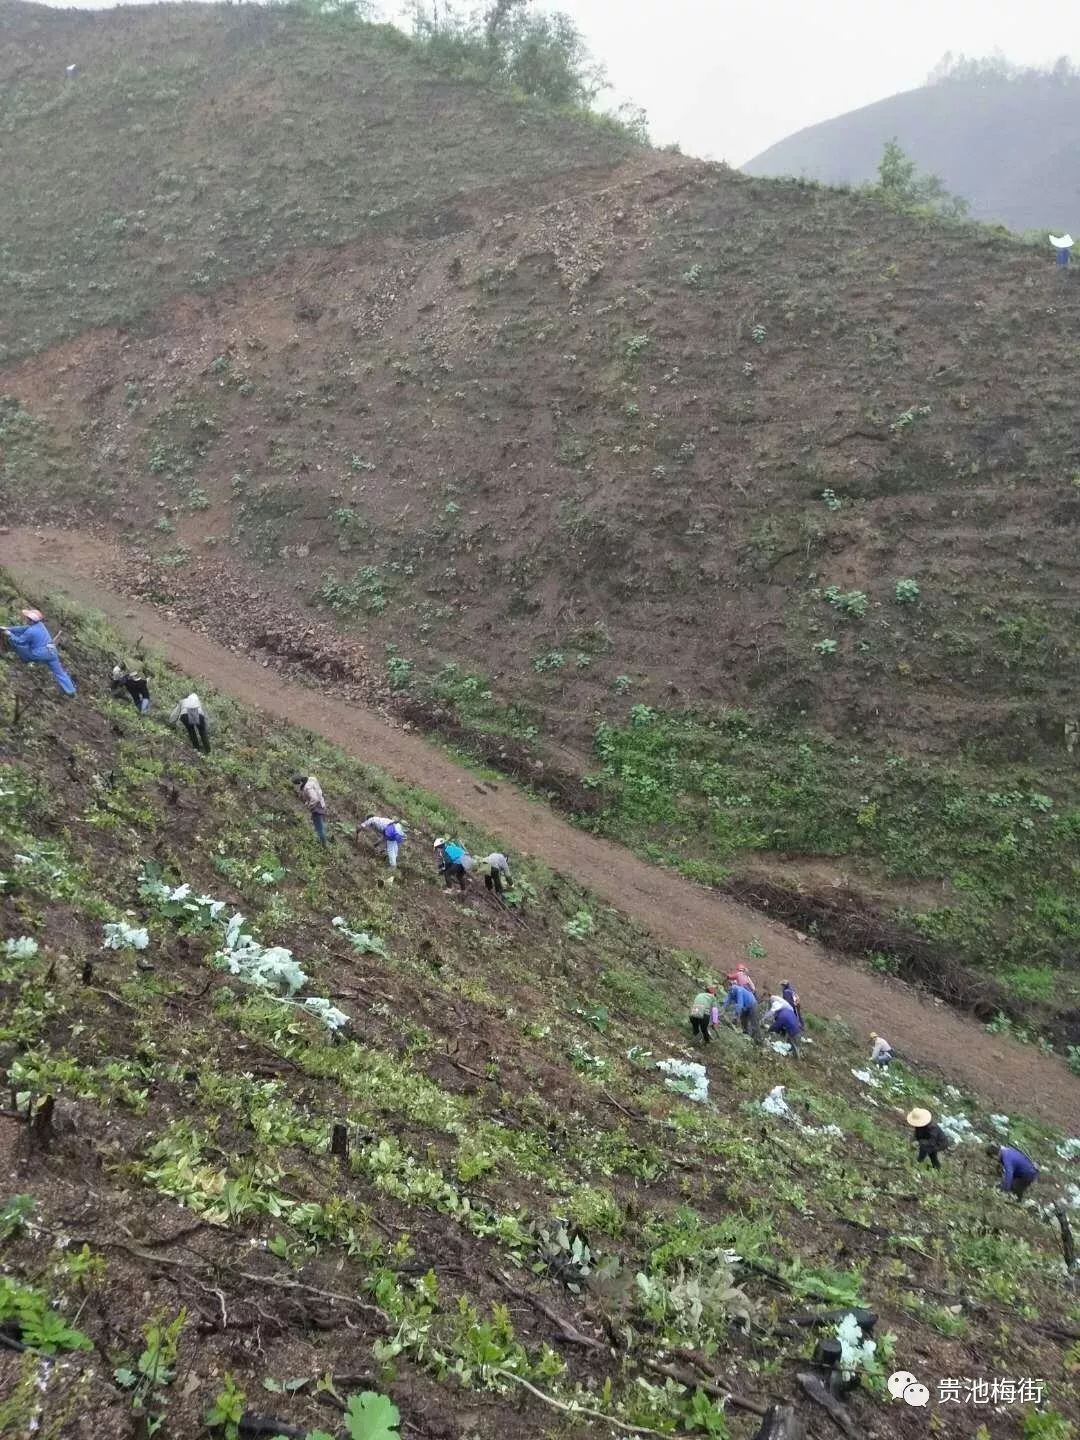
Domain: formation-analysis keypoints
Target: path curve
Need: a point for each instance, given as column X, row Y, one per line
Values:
column 676, row 911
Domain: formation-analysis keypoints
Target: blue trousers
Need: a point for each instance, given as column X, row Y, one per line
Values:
column 319, row 822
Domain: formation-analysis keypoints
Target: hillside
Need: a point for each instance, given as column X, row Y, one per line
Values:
column 1009, row 147
column 526, row 1220
column 738, row 515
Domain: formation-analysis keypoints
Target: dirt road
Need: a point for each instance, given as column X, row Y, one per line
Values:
column 676, row 911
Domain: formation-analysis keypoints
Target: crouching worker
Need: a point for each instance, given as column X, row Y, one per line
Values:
column 133, row 685
column 391, row 835
column 1018, row 1170
column 190, row 713
column 880, row 1051
column 312, row 796
column 745, row 1006
column 495, row 868
column 34, row 645
column 791, row 995
column 454, row 862
column 704, row 1013
column 786, row 1023
column 930, row 1138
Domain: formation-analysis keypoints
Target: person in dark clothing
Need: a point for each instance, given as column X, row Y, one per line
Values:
column 131, row 683
column 790, row 994
column 190, row 713
column 930, row 1138
column 1018, row 1170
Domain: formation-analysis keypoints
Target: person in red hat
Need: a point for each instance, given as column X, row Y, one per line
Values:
column 34, row 645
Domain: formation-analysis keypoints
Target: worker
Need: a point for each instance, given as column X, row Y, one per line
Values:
column 880, row 1051
column 455, row 862
column 741, row 976
column 930, row 1138
column 704, row 1013
column 495, row 868
column 131, row 683
column 745, row 1005
column 791, row 995
column 784, row 1022
column 1062, row 245
column 34, row 645
column 391, row 834
column 312, row 796
column 192, row 716
column 1018, row 1170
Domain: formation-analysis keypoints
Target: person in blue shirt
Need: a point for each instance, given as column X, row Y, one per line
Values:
column 744, row 1003
column 785, row 1023
column 33, row 645
column 455, row 862
column 1018, row 1171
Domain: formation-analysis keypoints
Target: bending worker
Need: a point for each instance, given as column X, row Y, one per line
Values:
column 391, row 834
column 495, row 868
column 34, row 645
column 1018, row 1170
column 192, row 716
column 454, row 861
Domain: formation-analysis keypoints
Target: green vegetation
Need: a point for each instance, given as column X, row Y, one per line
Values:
column 734, row 783
column 313, row 1093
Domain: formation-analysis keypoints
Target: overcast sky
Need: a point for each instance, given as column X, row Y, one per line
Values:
column 726, row 78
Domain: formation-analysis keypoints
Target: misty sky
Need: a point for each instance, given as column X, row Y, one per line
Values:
column 726, row 78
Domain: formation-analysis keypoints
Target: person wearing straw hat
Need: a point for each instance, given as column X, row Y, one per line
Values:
column 1062, row 244
column 930, row 1138
column 34, row 645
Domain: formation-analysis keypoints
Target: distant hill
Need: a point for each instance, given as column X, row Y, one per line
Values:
column 1010, row 147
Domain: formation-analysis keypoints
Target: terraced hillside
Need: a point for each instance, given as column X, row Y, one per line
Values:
column 519, row 1228
column 739, row 512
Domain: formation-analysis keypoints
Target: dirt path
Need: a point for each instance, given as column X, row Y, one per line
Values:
column 676, row 911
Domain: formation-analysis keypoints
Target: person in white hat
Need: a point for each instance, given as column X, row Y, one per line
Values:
column 190, row 713
column 1062, row 244
column 34, row 645
column 930, row 1138
column 132, row 684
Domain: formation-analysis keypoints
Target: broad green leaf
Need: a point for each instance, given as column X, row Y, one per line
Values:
column 371, row 1416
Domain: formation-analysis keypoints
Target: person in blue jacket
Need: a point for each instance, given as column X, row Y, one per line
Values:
column 455, row 862
column 745, row 1005
column 34, row 645
column 786, row 1023
column 1018, row 1170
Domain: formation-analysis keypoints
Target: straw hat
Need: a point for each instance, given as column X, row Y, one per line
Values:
column 33, row 616
column 917, row 1118
column 439, row 843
